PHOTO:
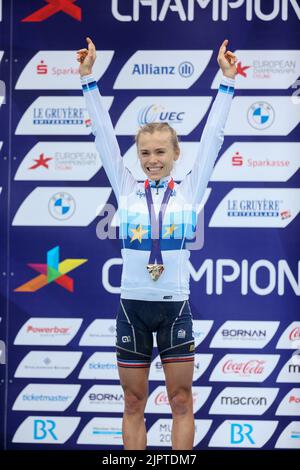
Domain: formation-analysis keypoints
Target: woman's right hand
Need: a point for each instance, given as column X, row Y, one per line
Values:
column 87, row 58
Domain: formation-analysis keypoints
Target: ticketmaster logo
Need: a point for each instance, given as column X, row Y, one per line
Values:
column 97, row 365
column 46, row 397
column 101, row 365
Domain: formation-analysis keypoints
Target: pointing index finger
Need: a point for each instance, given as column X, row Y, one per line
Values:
column 223, row 45
column 91, row 45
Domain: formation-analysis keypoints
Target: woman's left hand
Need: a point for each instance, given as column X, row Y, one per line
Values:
column 227, row 61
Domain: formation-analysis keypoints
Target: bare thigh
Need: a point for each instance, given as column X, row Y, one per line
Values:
column 179, row 376
column 134, row 381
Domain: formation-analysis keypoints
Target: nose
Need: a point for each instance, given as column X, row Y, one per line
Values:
column 153, row 158
column 153, row 161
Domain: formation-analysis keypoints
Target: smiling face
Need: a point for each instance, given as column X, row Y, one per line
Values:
column 157, row 153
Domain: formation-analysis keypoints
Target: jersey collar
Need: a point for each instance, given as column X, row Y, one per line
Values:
column 163, row 182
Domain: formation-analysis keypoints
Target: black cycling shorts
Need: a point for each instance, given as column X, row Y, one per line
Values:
column 136, row 322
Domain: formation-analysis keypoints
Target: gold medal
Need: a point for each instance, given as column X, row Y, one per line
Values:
column 155, row 270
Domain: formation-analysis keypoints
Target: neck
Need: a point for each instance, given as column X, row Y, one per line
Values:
column 157, row 180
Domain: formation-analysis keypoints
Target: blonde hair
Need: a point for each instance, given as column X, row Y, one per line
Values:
column 158, row 126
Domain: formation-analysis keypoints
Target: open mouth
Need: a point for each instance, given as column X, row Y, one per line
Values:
column 154, row 169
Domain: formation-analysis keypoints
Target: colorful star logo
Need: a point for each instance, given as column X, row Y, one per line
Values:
column 53, row 271
column 41, row 161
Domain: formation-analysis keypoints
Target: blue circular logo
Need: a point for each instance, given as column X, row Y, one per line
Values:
column 62, row 206
column 186, row 69
column 261, row 115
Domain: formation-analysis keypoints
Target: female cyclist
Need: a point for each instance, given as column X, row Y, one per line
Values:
column 157, row 216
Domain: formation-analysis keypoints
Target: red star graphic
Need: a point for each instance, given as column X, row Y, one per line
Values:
column 241, row 70
column 41, row 161
column 53, row 7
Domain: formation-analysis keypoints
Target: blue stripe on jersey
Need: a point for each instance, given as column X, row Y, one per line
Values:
column 165, row 245
column 226, row 89
column 180, row 231
column 131, row 219
column 89, row 86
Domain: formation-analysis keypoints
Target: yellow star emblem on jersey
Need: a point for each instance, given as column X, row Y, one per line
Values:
column 138, row 233
column 169, row 230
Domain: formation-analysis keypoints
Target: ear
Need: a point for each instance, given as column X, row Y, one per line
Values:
column 177, row 153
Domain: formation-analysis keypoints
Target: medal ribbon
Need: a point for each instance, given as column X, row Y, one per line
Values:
column 156, row 225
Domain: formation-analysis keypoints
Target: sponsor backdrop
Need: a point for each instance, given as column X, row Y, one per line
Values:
column 60, row 256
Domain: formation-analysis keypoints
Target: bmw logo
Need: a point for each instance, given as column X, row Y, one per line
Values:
column 61, row 206
column 261, row 115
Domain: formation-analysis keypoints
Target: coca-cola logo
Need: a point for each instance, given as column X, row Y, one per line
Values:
column 162, row 398
column 253, row 367
column 295, row 333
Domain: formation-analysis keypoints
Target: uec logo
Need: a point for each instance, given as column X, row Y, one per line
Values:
column 157, row 113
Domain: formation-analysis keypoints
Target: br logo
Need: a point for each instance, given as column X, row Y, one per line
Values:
column 241, row 432
column 43, row 429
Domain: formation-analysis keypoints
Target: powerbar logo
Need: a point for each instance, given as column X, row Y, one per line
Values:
column 186, row 10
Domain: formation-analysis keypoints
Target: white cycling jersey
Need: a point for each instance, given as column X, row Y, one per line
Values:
column 179, row 224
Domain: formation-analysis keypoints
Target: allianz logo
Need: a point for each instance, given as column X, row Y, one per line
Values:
column 185, row 69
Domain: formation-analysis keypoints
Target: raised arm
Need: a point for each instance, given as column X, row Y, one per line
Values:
column 194, row 184
column 119, row 176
